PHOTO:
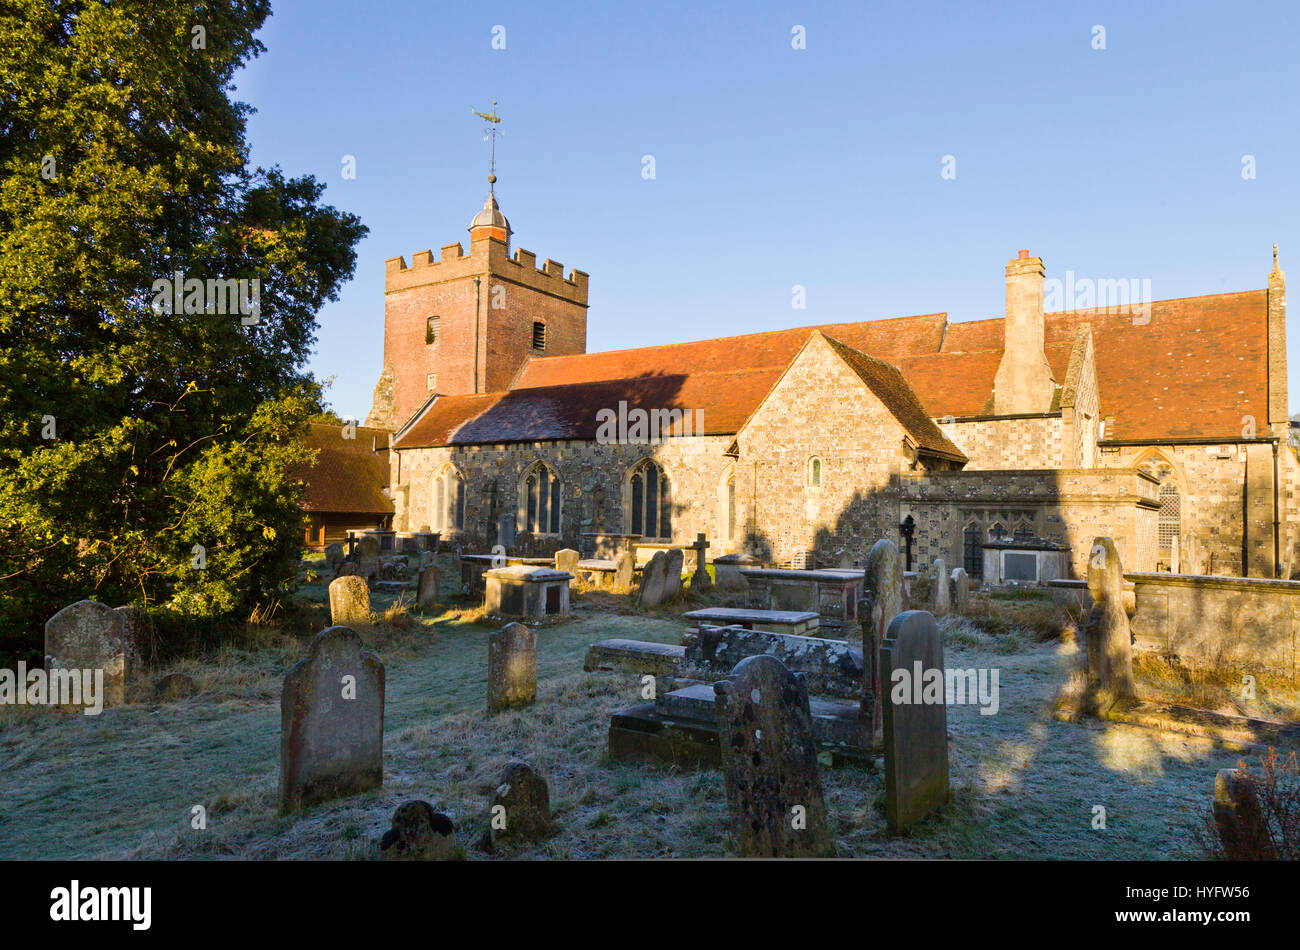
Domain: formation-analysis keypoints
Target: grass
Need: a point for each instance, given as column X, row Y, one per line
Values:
column 123, row 784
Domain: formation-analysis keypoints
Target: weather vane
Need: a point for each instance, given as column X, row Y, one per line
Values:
column 493, row 132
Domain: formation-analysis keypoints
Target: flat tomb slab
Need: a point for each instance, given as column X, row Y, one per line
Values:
column 634, row 656
column 828, row 575
column 752, row 618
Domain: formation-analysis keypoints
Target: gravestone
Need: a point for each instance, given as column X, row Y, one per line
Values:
column 349, row 600
column 673, row 561
column 653, row 581
column 960, row 590
column 426, row 558
column 728, row 569
column 368, row 557
column 512, row 667
column 427, row 588
column 137, row 635
column 521, row 806
column 915, row 720
column 883, row 599
column 566, row 559
column 1106, row 632
column 331, row 721
column 349, row 569
column 625, row 567
column 334, row 557
column 1239, row 819
column 769, row 762
column 939, row 588
column 419, row 832
column 701, row 580
column 89, row 635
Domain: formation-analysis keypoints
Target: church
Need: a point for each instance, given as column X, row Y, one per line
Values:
column 1002, row 445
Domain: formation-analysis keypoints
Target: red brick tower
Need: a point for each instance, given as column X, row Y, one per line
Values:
column 467, row 323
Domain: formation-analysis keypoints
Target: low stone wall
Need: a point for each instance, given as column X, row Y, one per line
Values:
column 1250, row 622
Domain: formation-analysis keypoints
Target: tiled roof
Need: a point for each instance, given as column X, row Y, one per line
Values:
column 349, row 474
column 1194, row 369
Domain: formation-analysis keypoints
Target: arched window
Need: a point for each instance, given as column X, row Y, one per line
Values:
column 973, row 554
column 540, row 500
column 997, row 532
column 1024, row 532
column 447, row 510
column 432, row 328
column 814, row 472
column 649, row 500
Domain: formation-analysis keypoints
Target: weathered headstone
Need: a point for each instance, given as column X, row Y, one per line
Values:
column 728, row 568
column 368, row 557
column 512, row 667
column 700, row 580
column 769, row 762
column 882, row 601
column 334, row 557
column 566, row 559
column 419, row 832
column 426, row 596
column 625, row 567
column 88, row 635
column 915, row 720
column 1239, row 819
column 331, row 721
column 137, row 635
column 653, row 581
column 939, row 601
column 960, row 590
column 426, row 558
column 521, row 806
column 673, row 561
column 1106, row 632
column 349, row 600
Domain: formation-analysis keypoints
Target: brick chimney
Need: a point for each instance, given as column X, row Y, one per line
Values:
column 1024, row 382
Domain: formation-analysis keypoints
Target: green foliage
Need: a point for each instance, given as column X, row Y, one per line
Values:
column 122, row 161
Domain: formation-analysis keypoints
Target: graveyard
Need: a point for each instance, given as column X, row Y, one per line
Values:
column 1021, row 781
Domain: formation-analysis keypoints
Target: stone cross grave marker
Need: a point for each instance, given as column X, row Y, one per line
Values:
column 331, row 721
column 915, row 720
column 700, row 580
column 769, row 762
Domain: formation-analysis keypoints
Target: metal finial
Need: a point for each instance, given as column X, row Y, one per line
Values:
column 493, row 132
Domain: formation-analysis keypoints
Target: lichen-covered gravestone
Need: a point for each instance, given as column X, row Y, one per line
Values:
column 882, row 601
column 349, row 600
column 915, row 720
column 654, row 578
column 368, row 557
column 939, row 602
column 427, row 592
column 334, row 557
column 960, row 590
column 512, row 667
column 88, row 635
column 769, row 762
column 672, row 565
column 1106, row 632
column 331, row 721
column 521, row 806
column 419, row 832
column 625, row 567
column 566, row 559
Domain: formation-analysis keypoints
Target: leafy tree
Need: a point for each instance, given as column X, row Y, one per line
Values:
column 132, row 430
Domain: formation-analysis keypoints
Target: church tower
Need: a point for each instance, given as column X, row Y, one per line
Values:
column 466, row 323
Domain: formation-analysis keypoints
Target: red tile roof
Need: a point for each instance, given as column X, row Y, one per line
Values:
column 349, row 474
column 1193, row 370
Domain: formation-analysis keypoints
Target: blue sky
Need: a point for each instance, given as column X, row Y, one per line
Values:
column 777, row 167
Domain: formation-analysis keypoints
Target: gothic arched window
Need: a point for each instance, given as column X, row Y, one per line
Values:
column 541, row 500
column 649, row 500
column 973, row 559
column 447, row 511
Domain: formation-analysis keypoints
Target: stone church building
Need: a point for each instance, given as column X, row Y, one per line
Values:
column 1162, row 426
